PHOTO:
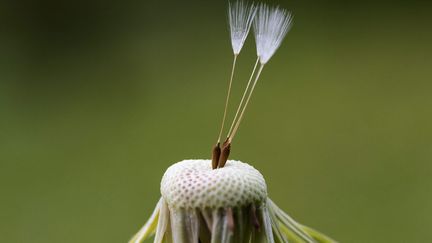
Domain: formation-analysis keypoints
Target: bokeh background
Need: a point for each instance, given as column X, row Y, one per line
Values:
column 98, row 98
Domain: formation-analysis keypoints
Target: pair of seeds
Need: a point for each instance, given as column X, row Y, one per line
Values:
column 270, row 26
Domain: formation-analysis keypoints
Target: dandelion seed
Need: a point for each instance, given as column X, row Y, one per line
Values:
column 240, row 16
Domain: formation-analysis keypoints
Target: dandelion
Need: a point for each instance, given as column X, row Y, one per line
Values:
column 240, row 17
column 221, row 200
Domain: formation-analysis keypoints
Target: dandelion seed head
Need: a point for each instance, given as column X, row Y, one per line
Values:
column 270, row 27
column 228, row 204
column 240, row 17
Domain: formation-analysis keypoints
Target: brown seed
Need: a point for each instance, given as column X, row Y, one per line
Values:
column 226, row 149
column 215, row 155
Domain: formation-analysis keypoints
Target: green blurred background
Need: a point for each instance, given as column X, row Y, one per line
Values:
column 98, row 98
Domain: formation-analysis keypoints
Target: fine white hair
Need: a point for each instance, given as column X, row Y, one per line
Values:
column 240, row 17
column 270, row 26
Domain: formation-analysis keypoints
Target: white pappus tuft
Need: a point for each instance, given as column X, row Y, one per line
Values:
column 240, row 16
column 270, row 26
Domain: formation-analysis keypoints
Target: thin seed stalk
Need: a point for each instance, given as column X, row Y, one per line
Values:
column 227, row 98
column 243, row 97
column 245, row 106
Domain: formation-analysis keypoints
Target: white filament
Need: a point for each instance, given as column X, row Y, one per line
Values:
column 240, row 16
column 270, row 26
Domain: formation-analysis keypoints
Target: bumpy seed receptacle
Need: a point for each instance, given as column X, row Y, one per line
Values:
column 229, row 204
